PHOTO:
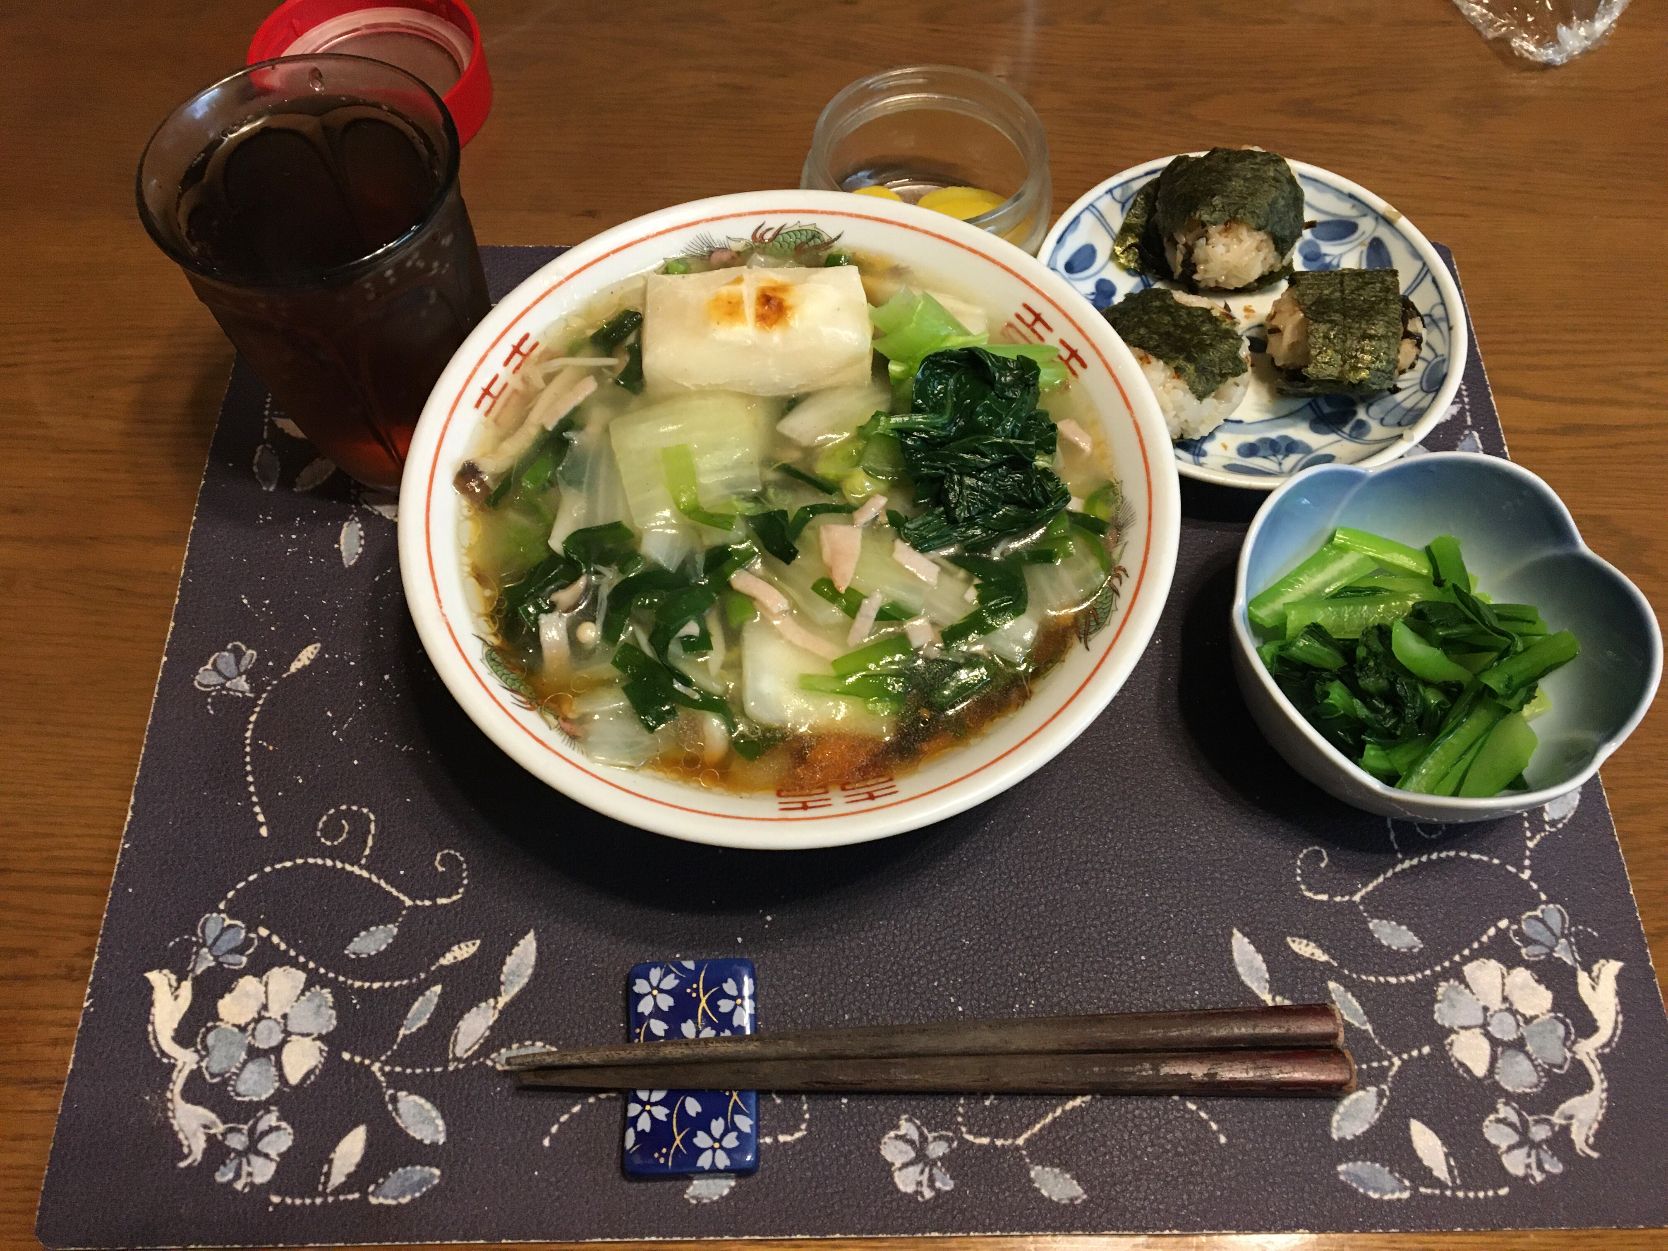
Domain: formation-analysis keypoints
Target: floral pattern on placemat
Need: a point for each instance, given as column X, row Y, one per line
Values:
column 337, row 904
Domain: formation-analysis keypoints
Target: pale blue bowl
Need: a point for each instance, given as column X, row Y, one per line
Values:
column 1520, row 542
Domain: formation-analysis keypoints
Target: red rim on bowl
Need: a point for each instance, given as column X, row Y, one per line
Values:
column 439, row 41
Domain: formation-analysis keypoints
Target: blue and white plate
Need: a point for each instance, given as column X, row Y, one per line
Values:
column 1271, row 437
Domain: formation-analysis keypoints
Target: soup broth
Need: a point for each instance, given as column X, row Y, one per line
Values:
column 780, row 516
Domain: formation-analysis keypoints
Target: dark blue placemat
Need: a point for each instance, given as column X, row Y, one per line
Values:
column 336, row 901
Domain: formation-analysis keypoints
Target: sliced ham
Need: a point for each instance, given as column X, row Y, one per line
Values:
column 864, row 622
column 920, row 633
column 770, row 601
column 802, row 638
column 916, row 563
column 1076, row 435
column 872, row 508
column 841, row 546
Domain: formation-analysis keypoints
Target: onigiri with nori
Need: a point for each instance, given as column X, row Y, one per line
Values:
column 1190, row 351
column 1224, row 221
column 1343, row 332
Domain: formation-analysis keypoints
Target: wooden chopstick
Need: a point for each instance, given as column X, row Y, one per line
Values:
column 1296, row 1027
column 1325, row 1072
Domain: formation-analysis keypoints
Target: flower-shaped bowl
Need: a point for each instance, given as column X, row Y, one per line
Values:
column 1037, row 305
column 1271, row 437
column 1523, row 547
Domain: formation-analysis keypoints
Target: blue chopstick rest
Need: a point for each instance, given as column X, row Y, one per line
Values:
column 691, row 1131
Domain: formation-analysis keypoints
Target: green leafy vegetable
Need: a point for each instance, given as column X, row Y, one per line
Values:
column 617, row 329
column 914, row 325
column 608, row 545
column 770, row 528
column 631, row 377
column 977, row 448
column 535, row 467
column 849, row 601
column 678, row 610
column 1435, row 691
column 809, row 479
column 657, row 692
column 1324, row 572
column 1001, row 595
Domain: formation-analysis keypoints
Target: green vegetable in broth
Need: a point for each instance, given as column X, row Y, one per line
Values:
column 894, row 567
column 977, row 449
column 1393, row 655
column 617, row 329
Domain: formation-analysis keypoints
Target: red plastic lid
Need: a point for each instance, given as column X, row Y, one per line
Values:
column 439, row 41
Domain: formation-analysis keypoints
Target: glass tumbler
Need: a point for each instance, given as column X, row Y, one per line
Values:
column 313, row 203
column 921, row 128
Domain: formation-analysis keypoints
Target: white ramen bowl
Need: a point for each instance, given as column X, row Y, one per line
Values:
column 1040, row 307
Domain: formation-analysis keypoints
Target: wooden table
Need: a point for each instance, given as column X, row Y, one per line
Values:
column 1549, row 186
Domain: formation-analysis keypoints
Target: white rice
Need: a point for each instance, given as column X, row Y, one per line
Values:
column 1188, row 416
column 1226, row 257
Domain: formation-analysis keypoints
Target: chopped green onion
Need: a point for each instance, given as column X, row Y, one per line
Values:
column 876, row 655
column 617, row 329
column 849, row 601
column 809, row 479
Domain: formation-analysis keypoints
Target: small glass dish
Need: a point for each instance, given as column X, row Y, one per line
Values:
column 922, row 128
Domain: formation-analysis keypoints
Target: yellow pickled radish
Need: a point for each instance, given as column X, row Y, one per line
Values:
column 961, row 203
column 879, row 192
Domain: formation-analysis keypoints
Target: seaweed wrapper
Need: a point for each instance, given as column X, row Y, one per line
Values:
column 1355, row 331
column 1200, row 344
column 1232, row 184
column 1138, row 247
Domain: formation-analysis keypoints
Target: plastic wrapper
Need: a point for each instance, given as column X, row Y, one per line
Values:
column 1548, row 32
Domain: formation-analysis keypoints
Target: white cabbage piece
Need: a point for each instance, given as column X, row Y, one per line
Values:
column 760, row 331
column 1066, row 586
column 610, row 732
column 1013, row 641
column 877, row 571
column 795, row 582
column 592, row 493
column 831, row 415
column 770, row 669
column 725, row 432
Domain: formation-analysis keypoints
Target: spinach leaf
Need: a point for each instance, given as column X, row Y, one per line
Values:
column 977, row 448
